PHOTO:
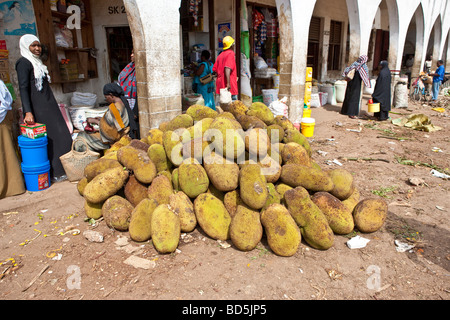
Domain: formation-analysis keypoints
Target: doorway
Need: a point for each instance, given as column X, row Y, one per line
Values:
column 120, row 46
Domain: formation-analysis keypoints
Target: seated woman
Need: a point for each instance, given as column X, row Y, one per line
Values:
column 115, row 123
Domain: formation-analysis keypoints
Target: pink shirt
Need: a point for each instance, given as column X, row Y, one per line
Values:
column 226, row 59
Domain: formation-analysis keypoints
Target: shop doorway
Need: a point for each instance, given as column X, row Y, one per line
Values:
column 120, row 46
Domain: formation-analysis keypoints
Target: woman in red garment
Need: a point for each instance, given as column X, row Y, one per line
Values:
column 225, row 68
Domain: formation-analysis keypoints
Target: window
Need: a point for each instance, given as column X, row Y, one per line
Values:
column 334, row 50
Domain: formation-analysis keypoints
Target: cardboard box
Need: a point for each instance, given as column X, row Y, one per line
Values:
column 33, row 131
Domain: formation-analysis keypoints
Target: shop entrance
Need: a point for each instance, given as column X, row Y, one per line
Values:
column 120, row 45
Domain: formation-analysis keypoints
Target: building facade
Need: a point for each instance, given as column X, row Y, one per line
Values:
column 290, row 35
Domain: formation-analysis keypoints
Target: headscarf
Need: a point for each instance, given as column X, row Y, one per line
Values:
column 6, row 101
column 127, row 80
column 40, row 69
column 117, row 91
column 360, row 66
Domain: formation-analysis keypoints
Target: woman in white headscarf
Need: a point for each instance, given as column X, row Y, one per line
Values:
column 11, row 179
column 39, row 104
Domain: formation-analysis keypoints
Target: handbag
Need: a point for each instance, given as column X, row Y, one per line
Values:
column 75, row 162
column 225, row 96
column 206, row 79
column 351, row 74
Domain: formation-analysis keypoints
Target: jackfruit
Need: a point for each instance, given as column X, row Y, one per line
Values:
column 165, row 228
column 137, row 161
column 212, row 216
column 140, row 227
column 222, row 173
column 343, row 183
column 184, row 208
column 98, row 166
column 295, row 153
column 339, row 217
column 105, row 185
column 160, row 189
column 157, row 155
column 310, row 178
column 155, row 136
column 192, row 179
column 116, row 212
column 370, row 214
column 135, row 191
column 253, row 186
column 93, row 210
column 245, row 229
column 283, row 234
column 311, row 220
column 198, row 112
column 260, row 110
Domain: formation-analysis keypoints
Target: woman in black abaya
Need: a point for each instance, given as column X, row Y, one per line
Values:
column 355, row 75
column 382, row 92
column 39, row 105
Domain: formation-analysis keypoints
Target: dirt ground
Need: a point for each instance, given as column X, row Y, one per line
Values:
column 45, row 256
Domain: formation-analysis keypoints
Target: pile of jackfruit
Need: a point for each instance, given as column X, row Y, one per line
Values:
column 239, row 174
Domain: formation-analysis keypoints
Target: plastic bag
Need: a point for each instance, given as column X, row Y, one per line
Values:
column 83, row 99
column 260, row 63
column 225, row 96
column 279, row 107
column 401, row 95
column 59, row 37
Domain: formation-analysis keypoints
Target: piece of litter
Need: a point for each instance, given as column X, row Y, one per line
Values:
column 436, row 149
column 357, row 242
column 402, row 246
column 322, row 153
column 138, row 262
column 93, row 236
column 440, row 174
column 416, row 181
column 440, row 208
column 57, row 257
column 337, row 162
column 223, row 244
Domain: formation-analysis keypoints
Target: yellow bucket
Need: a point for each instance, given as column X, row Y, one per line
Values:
column 374, row 107
column 307, row 126
column 306, row 113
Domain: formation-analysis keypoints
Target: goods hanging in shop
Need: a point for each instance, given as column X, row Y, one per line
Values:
column 237, row 174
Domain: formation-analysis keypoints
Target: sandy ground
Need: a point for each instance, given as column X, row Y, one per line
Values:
column 42, row 260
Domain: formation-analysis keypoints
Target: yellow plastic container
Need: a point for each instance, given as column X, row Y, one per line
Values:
column 308, row 89
column 373, row 107
column 307, row 127
column 309, row 73
column 306, row 113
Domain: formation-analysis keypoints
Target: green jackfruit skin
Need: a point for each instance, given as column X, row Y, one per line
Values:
column 283, row 234
column 193, row 179
column 260, row 110
column 353, row 200
column 245, row 229
column 311, row 220
column 295, row 153
column 231, row 201
column 212, row 216
column 370, row 214
column 222, row 173
column 275, row 133
column 253, row 186
column 343, row 183
column 105, row 185
column 157, row 155
column 225, row 136
column 137, row 161
column 274, row 196
column 182, row 205
column 198, row 112
column 160, row 189
column 166, row 229
column 81, row 185
column 339, row 217
column 93, row 210
column 293, row 135
column 312, row 179
column 117, row 213
column 98, row 166
column 140, row 228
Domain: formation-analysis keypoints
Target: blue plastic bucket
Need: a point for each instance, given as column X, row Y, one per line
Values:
column 34, row 151
column 37, row 178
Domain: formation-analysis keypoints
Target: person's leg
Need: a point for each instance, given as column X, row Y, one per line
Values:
column 435, row 90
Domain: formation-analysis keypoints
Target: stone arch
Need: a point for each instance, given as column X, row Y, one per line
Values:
column 156, row 41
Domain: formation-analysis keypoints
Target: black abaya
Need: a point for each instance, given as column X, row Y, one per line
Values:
column 42, row 104
column 350, row 106
column 382, row 93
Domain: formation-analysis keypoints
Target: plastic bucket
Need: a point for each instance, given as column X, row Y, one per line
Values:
column 269, row 95
column 34, row 151
column 307, row 126
column 37, row 178
column 306, row 113
column 373, row 107
column 341, row 87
